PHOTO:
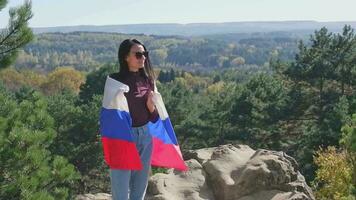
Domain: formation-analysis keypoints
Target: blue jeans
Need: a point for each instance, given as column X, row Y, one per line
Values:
column 133, row 183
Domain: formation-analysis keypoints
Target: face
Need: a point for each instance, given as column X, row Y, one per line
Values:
column 134, row 62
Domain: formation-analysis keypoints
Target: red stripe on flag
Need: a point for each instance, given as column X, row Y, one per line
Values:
column 121, row 154
column 167, row 155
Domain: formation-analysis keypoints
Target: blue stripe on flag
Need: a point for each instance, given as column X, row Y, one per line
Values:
column 115, row 124
column 163, row 130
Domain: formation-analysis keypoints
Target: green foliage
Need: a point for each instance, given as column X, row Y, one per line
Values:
column 16, row 35
column 184, row 114
column 167, row 76
column 257, row 111
column 29, row 170
column 323, row 98
column 78, row 139
column 344, row 58
column 216, row 113
column 336, row 173
column 333, row 176
column 349, row 135
column 348, row 141
column 95, row 82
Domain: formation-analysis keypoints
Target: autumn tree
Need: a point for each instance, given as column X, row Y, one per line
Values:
column 14, row 79
column 63, row 78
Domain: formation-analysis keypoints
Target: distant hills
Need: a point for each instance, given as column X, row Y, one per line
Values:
column 196, row 29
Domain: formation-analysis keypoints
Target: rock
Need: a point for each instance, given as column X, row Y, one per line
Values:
column 231, row 172
column 180, row 185
column 276, row 195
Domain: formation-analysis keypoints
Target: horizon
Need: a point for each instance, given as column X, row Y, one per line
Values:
column 177, row 23
column 111, row 12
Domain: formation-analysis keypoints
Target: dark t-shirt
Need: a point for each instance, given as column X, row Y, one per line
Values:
column 140, row 87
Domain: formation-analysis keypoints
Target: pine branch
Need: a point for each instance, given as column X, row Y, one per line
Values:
column 20, row 44
column 15, row 29
column 17, row 34
column 12, row 49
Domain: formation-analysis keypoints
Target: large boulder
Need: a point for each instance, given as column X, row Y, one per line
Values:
column 231, row 172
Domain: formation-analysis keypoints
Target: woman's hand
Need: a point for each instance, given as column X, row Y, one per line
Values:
column 150, row 105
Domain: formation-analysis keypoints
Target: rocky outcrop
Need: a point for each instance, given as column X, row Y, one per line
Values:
column 232, row 173
column 229, row 172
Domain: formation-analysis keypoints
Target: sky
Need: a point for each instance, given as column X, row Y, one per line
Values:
column 50, row 13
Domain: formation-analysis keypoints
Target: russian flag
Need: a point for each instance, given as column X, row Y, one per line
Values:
column 115, row 127
column 166, row 151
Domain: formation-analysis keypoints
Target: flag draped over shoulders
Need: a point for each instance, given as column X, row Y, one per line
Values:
column 115, row 128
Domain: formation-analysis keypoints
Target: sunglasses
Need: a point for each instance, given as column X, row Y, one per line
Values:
column 139, row 55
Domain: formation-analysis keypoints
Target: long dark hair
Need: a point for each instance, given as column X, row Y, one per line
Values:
column 124, row 50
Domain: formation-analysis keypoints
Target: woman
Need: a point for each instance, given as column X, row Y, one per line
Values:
column 134, row 124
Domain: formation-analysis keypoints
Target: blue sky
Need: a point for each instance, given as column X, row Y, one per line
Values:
column 48, row 13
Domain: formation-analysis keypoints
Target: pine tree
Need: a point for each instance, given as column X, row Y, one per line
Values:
column 322, row 75
column 257, row 111
column 17, row 34
column 217, row 113
column 344, row 58
column 28, row 169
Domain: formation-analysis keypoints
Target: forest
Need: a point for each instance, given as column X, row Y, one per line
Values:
column 85, row 51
